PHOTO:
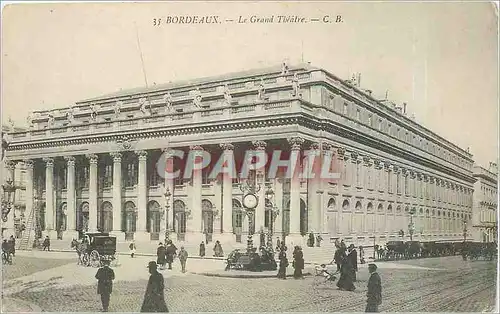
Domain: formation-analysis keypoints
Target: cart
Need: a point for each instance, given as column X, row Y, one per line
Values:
column 101, row 247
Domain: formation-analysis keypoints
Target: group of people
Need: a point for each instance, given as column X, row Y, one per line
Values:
column 297, row 263
column 154, row 297
column 218, row 251
column 8, row 249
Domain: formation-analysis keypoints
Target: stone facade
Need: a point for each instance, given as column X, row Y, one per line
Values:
column 92, row 166
column 485, row 206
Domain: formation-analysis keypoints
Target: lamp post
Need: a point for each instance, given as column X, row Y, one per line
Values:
column 411, row 225
column 167, row 196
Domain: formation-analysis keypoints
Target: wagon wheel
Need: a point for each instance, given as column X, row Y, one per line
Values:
column 95, row 259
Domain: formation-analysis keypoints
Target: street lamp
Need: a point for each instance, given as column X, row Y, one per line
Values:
column 9, row 190
column 411, row 225
column 167, row 196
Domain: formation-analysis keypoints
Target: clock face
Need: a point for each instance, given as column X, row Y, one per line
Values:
column 250, row 201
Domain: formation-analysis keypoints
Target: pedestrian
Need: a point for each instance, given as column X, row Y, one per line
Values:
column 374, row 293
column 310, row 241
column 298, row 262
column 337, row 257
column 283, row 265
column 202, row 249
column 342, row 244
column 46, row 243
column 346, row 281
column 319, row 238
column 353, row 259
column 105, row 277
column 218, row 252
column 183, row 256
column 161, row 253
column 12, row 243
column 361, row 255
column 154, row 298
column 132, row 248
column 171, row 251
column 278, row 244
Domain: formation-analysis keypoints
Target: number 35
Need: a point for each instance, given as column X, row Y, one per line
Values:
column 156, row 22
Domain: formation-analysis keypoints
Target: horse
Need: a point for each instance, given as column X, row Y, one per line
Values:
column 81, row 250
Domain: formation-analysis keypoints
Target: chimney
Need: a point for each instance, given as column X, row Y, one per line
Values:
column 404, row 108
column 359, row 80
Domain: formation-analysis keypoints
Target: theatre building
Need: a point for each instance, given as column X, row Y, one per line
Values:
column 92, row 166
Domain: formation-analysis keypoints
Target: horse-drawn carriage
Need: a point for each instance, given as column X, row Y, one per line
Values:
column 95, row 248
column 252, row 260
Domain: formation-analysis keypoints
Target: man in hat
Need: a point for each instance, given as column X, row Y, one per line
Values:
column 154, row 299
column 374, row 293
column 105, row 277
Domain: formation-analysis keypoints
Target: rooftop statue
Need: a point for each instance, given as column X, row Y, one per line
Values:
column 167, row 98
column 284, row 69
column 144, row 103
column 262, row 91
column 227, row 95
column 117, row 108
column 93, row 111
column 70, row 115
column 51, row 120
column 295, row 86
column 197, row 99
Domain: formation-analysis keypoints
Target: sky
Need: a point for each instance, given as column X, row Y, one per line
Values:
column 439, row 58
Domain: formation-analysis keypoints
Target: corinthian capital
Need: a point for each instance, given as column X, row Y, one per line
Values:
column 296, row 142
column 49, row 162
column 10, row 164
column 142, row 154
column 117, row 156
column 226, row 146
column 92, row 158
column 29, row 163
column 259, row 145
column 70, row 160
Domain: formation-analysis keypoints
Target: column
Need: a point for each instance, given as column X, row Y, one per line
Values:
column 260, row 177
column 142, row 205
column 93, row 193
column 313, row 171
column 227, row 189
column 295, row 143
column 194, row 223
column 29, row 192
column 168, row 217
column 327, row 151
column 49, row 195
column 117, row 192
column 70, row 199
column 278, row 198
column 342, row 158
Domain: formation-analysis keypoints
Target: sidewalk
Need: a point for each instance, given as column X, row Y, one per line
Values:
column 11, row 305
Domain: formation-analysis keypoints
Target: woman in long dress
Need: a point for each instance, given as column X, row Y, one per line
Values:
column 154, row 298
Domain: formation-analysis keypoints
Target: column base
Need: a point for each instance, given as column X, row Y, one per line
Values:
column 120, row 236
column 142, row 236
column 70, row 235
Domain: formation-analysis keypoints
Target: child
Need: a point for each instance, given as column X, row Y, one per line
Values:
column 323, row 271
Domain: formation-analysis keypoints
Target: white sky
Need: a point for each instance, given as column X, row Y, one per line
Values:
column 440, row 58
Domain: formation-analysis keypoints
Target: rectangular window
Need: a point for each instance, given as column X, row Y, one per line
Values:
column 346, row 109
column 389, row 181
column 398, row 183
column 370, row 119
column 407, row 181
column 380, row 124
column 358, row 174
column 358, row 115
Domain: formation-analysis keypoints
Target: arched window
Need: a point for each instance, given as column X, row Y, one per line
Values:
column 358, row 206
column 369, row 207
column 130, row 215
column 439, row 213
column 303, row 217
column 105, row 216
column 154, row 219
column 380, row 208
column 237, row 216
column 398, row 209
column 83, row 217
column 345, row 205
column 407, row 209
column 331, row 204
column 179, row 217
column 207, row 216
column 389, row 208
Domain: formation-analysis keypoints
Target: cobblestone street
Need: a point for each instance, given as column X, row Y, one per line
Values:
column 435, row 284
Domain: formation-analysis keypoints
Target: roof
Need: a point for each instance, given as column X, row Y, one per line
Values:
column 204, row 80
